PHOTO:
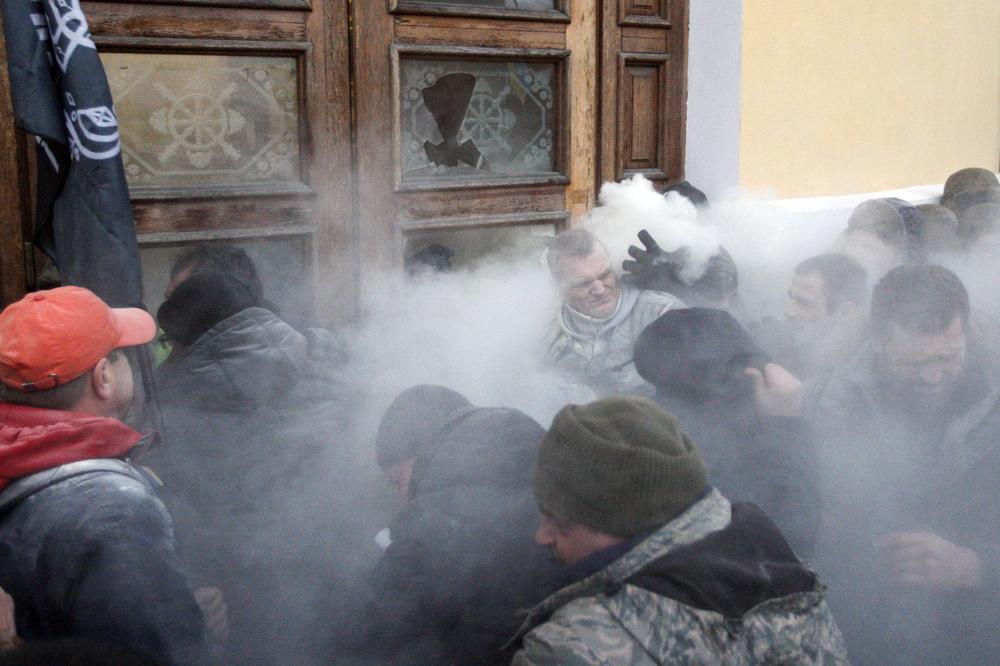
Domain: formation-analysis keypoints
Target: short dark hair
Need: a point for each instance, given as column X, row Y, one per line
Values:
column 570, row 243
column 919, row 298
column 63, row 397
column 844, row 279
column 221, row 258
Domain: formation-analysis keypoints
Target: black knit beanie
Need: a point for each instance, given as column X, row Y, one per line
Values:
column 619, row 465
column 412, row 420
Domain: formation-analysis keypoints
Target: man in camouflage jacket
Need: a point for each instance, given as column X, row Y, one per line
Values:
column 661, row 569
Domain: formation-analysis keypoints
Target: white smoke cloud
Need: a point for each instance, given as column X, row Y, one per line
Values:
column 632, row 205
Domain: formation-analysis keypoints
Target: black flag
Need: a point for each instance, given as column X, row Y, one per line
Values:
column 61, row 95
column 83, row 216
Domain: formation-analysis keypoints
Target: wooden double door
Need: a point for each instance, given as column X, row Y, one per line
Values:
column 334, row 138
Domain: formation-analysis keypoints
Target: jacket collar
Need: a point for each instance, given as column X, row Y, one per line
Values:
column 579, row 325
column 710, row 514
column 33, row 440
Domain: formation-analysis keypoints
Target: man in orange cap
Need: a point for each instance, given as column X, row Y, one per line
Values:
column 86, row 547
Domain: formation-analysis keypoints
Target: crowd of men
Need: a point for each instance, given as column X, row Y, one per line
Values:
column 812, row 488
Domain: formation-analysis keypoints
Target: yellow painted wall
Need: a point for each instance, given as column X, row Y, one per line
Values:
column 846, row 96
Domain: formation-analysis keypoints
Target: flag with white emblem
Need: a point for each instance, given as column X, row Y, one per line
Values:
column 61, row 95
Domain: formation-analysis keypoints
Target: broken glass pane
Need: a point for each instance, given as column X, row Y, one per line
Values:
column 478, row 119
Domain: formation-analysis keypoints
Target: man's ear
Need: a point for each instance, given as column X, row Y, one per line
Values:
column 102, row 380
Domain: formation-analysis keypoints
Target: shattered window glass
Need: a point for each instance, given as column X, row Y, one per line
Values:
column 480, row 119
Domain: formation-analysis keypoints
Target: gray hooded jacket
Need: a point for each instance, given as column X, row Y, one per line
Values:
column 598, row 352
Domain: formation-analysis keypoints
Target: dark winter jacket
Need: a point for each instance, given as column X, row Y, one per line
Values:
column 253, row 469
column 462, row 562
column 716, row 585
column 696, row 358
column 885, row 472
column 90, row 553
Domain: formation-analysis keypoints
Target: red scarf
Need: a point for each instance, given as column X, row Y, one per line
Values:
column 32, row 439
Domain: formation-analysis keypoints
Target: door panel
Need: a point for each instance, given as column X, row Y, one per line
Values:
column 348, row 135
column 230, row 116
column 643, row 84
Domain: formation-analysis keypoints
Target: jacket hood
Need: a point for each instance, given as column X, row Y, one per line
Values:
column 480, row 446
column 695, row 353
column 33, row 440
column 244, row 361
column 755, row 567
column 411, row 423
column 730, row 571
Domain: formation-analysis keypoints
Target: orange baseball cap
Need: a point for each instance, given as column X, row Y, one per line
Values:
column 51, row 337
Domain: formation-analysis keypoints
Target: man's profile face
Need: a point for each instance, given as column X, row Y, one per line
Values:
column 589, row 284
column 923, row 368
column 806, row 299
column 567, row 543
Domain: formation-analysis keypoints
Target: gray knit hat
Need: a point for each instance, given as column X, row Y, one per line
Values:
column 412, row 420
column 941, row 228
column 620, row 465
column 968, row 187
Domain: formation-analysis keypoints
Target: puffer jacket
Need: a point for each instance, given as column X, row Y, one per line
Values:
column 716, row 585
column 598, row 353
column 462, row 562
column 86, row 548
column 257, row 476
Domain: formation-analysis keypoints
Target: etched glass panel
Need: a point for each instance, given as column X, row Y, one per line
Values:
column 480, row 119
column 205, row 120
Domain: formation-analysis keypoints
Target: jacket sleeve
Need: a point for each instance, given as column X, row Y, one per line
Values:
column 125, row 583
column 550, row 647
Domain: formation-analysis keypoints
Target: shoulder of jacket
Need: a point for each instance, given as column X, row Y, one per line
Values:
column 659, row 301
column 107, row 493
column 572, row 635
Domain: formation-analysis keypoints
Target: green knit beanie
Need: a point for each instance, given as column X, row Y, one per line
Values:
column 619, row 465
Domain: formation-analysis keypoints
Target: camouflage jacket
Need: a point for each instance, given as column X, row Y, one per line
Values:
column 609, row 619
column 598, row 352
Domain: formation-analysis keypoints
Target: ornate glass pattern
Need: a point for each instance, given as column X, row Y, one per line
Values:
column 500, row 4
column 205, row 120
column 479, row 119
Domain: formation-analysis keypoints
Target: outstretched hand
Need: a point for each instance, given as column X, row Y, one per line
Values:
column 777, row 391
column 651, row 267
column 924, row 559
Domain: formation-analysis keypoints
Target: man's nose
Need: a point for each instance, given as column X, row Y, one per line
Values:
column 597, row 287
column 543, row 536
